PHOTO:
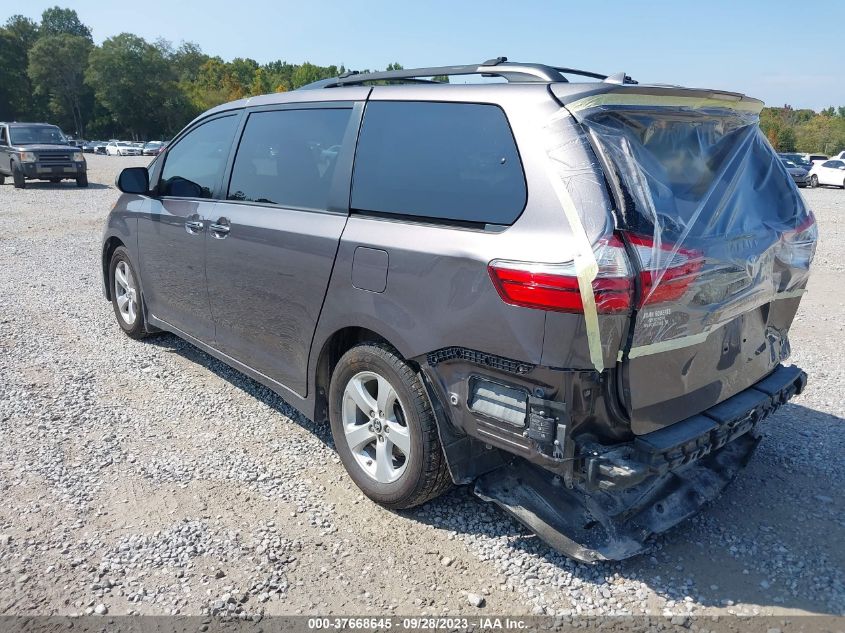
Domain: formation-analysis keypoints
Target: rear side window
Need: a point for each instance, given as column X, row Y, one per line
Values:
column 287, row 157
column 450, row 161
column 194, row 166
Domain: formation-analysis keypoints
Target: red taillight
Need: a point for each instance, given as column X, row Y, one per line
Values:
column 666, row 272
column 555, row 286
column 797, row 247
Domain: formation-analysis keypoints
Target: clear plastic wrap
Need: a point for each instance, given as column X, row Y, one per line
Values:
column 717, row 226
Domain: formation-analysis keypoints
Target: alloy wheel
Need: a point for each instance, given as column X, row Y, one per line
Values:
column 375, row 427
column 126, row 292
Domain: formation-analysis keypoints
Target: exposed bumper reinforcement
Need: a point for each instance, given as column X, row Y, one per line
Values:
column 615, row 523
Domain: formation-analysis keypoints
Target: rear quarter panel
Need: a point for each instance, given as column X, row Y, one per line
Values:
column 438, row 290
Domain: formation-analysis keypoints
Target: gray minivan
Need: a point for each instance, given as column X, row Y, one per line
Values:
column 574, row 295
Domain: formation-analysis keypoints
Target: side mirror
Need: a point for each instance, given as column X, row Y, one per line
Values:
column 134, row 180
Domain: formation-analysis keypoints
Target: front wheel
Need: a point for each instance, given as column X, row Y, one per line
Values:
column 384, row 428
column 18, row 178
column 126, row 295
column 814, row 181
column 82, row 180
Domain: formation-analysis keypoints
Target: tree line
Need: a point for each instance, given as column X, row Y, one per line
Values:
column 127, row 87
column 790, row 130
column 131, row 88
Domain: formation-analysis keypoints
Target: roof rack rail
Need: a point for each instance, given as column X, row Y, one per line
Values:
column 496, row 67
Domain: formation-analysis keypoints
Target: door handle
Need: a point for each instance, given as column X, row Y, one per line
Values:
column 194, row 226
column 220, row 229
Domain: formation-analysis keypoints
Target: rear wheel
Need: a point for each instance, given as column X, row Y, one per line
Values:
column 814, row 181
column 384, row 429
column 18, row 177
column 82, row 181
column 126, row 295
column 2, row 179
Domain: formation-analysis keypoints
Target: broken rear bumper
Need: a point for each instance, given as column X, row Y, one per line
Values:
column 628, row 492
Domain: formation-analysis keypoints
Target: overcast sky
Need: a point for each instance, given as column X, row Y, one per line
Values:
column 779, row 51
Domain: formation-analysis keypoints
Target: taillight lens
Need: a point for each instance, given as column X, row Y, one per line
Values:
column 666, row 271
column 798, row 247
column 555, row 286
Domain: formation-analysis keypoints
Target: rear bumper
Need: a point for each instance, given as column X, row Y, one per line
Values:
column 628, row 492
column 687, row 441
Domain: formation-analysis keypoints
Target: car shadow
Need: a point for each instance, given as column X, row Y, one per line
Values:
column 735, row 551
column 64, row 184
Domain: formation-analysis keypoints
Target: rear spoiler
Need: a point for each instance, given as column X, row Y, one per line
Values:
column 658, row 96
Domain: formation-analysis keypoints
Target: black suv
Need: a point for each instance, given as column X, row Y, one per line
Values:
column 39, row 151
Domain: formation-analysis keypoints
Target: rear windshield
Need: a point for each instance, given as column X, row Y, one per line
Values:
column 694, row 174
column 36, row 135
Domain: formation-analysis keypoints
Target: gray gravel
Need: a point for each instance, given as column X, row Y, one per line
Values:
column 146, row 477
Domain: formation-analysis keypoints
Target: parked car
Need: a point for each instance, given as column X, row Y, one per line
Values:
column 816, row 158
column 153, row 148
column 39, row 151
column 798, row 174
column 121, row 148
column 840, row 156
column 562, row 292
column 830, row 172
column 94, row 147
column 798, row 159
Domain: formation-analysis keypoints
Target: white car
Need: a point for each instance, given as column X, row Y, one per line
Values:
column 840, row 156
column 119, row 148
column 829, row 172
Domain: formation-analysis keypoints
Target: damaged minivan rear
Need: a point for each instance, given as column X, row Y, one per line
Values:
column 573, row 295
column 687, row 292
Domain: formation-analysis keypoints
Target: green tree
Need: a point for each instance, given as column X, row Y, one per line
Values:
column 134, row 81
column 786, row 140
column 22, row 30
column 57, row 66
column 14, row 86
column 58, row 21
column 187, row 61
column 215, row 84
column 308, row 73
column 17, row 99
column 243, row 72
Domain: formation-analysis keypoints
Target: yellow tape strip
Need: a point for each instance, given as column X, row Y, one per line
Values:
column 586, row 267
column 695, row 339
column 697, row 103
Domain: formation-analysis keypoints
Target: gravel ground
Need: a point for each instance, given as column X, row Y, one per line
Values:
column 146, row 477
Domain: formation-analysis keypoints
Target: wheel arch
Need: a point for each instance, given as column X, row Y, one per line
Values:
column 335, row 346
column 109, row 246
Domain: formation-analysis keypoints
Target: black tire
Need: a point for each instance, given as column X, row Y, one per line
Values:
column 55, row 180
column 82, row 181
column 425, row 474
column 137, row 329
column 2, row 179
column 814, row 181
column 18, row 177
